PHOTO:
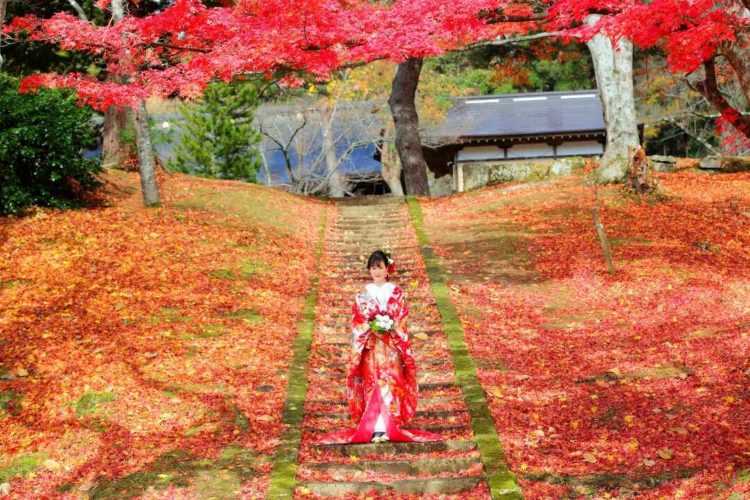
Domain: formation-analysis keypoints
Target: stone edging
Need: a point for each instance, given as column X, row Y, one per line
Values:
column 500, row 479
column 285, row 461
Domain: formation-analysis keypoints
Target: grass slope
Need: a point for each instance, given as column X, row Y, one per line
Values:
column 599, row 385
column 146, row 351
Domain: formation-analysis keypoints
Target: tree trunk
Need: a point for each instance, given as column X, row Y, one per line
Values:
column 114, row 148
column 406, row 120
column 614, row 77
column 709, row 88
column 639, row 177
column 738, row 55
column 391, row 169
column 147, row 162
column 264, row 159
column 3, row 7
column 335, row 186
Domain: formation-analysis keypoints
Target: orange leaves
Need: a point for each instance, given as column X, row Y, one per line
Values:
column 640, row 374
column 180, row 312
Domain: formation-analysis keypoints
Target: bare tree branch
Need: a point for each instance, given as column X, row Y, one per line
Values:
column 509, row 41
column 79, row 10
column 710, row 90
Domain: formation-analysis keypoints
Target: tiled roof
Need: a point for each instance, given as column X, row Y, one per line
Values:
column 540, row 113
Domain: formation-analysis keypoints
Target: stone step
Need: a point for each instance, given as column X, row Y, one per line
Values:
column 430, row 362
column 386, row 241
column 363, row 275
column 359, row 226
column 368, row 200
column 415, row 303
column 436, row 428
column 339, row 377
column 377, row 241
column 421, row 402
column 420, row 414
column 407, row 486
column 364, row 449
column 423, row 386
column 415, row 467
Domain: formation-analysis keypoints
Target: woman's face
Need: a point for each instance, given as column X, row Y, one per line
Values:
column 378, row 271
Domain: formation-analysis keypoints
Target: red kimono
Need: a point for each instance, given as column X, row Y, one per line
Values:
column 382, row 375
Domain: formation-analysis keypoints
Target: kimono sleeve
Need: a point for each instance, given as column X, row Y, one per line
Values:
column 403, row 306
column 358, row 318
column 360, row 325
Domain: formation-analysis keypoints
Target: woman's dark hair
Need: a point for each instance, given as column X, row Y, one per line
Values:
column 377, row 256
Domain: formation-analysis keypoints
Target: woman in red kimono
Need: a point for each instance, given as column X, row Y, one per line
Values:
column 382, row 376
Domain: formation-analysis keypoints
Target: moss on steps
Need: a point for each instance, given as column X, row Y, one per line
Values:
column 501, row 480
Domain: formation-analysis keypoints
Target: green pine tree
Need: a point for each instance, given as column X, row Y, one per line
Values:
column 219, row 139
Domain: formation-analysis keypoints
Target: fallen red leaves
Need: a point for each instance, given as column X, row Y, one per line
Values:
column 632, row 384
column 182, row 317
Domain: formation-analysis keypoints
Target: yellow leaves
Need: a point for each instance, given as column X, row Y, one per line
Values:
column 264, row 418
column 730, row 400
column 594, row 409
column 304, row 491
column 421, row 336
column 590, row 458
column 496, row 392
column 664, row 453
column 575, row 424
column 52, row 465
column 631, row 446
column 628, row 419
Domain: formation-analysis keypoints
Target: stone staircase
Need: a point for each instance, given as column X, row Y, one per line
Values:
column 440, row 469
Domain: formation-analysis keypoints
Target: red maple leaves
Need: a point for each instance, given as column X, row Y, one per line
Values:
column 639, row 375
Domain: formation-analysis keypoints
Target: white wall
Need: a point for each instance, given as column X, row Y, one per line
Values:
column 539, row 150
column 580, row 148
column 480, row 153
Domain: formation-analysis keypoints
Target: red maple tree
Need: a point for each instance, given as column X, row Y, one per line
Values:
column 693, row 34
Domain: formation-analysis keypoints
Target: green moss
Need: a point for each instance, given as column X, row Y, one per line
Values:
column 208, row 332
column 252, row 204
column 592, row 482
column 192, row 351
column 285, row 461
column 240, row 419
column 172, row 314
column 175, row 467
column 66, row 487
column 247, row 270
column 90, row 402
column 219, row 484
column 220, row 478
column 9, row 401
column 21, row 466
column 248, row 315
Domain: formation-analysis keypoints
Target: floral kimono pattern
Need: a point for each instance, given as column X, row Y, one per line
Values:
column 381, row 375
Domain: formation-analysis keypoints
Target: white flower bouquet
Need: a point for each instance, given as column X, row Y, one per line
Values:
column 382, row 323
